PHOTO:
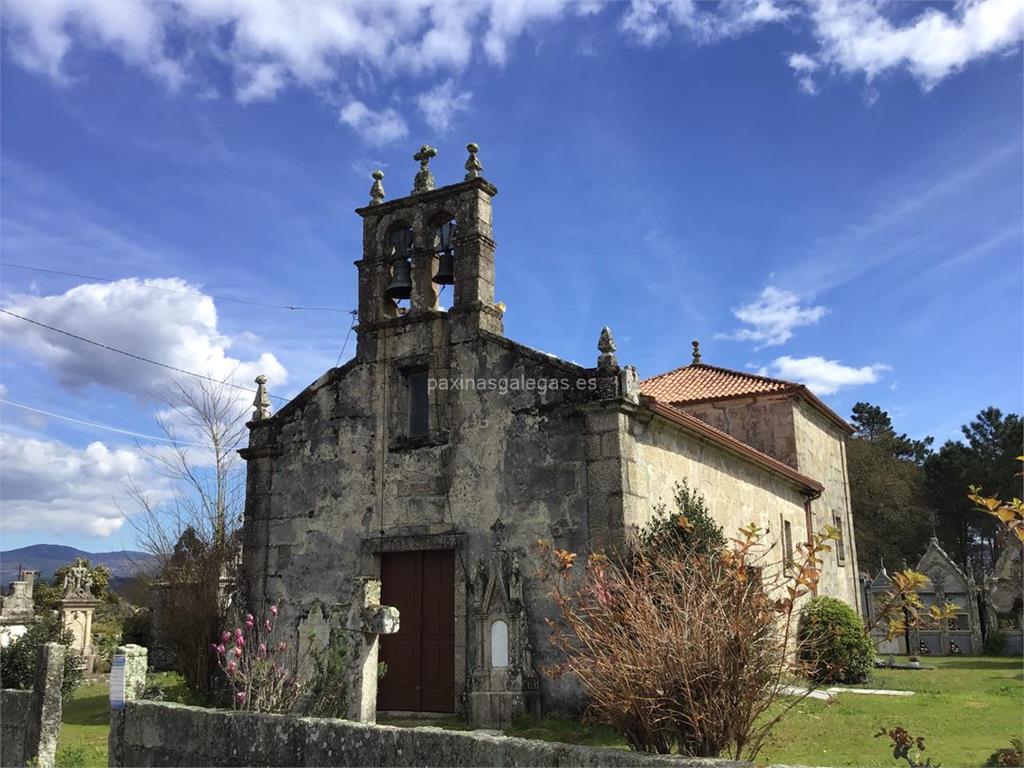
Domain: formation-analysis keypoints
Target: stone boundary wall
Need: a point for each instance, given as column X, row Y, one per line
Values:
column 30, row 720
column 150, row 733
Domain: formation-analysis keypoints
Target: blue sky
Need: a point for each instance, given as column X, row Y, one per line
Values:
column 825, row 192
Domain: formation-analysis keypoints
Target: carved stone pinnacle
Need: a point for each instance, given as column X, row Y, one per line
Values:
column 473, row 166
column 377, row 190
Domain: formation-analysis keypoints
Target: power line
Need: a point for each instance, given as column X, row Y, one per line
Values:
column 132, row 355
column 355, row 315
column 97, row 425
column 174, row 290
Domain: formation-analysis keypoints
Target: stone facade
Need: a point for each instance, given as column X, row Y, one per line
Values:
column 505, row 446
column 17, row 607
column 1004, row 595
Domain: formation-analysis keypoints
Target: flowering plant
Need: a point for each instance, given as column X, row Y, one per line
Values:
column 251, row 661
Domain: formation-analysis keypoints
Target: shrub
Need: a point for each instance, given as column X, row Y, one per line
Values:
column 75, row 756
column 18, row 659
column 832, row 642
column 1008, row 757
column 252, row 663
column 677, row 651
column 137, row 628
column 995, row 643
column 328, row 684
column 690, row 528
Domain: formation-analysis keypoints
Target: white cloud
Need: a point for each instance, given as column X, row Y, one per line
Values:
column 261, row 83
column 772, row 317
column 804, row 67
column 823, row 377
column 270, row 44
column 161, row 319
column 49, row 485
column 854, row 36
column 650, row 22
column 441, row 105
column 374, row 127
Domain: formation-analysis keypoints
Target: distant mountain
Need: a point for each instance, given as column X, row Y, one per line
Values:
column 47, row 558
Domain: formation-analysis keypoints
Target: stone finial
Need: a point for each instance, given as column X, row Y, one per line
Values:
column 696, row 352
column 377, row 190
column 473, row 166
column 606, row 346
column 424, row 181
column 262, row 399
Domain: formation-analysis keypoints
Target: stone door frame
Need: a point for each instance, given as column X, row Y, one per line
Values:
column 373, row 548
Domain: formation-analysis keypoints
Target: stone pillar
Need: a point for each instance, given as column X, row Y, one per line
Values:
column 135, row 665
column 367, row 619
column 43, row 728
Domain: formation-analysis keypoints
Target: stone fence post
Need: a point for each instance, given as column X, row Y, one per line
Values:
column 127, row 683
column 43, row 727
column 367, row 620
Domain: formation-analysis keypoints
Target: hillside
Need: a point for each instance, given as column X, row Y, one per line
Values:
column 49, row 557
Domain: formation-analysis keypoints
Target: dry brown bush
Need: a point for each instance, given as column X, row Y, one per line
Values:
column 683, row 652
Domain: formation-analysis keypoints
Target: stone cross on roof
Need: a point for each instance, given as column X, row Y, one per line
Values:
column 262, row 399
column 696, row 352
column 424, row 181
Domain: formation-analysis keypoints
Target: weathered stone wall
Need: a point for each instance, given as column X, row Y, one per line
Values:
column 821, row 454
column 30, row 720
column 657, row 454
column 318, row 469
column 147, row 733
column 766, row 423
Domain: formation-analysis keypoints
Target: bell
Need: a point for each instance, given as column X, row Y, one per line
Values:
column 400, row 286
column 445, row 268
column 445, row 255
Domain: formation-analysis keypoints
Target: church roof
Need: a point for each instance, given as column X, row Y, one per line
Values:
column 702, row 383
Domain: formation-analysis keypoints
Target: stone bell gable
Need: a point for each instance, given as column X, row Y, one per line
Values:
column 437, row 458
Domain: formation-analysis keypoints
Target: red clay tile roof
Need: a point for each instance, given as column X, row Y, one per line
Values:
column 701, row 383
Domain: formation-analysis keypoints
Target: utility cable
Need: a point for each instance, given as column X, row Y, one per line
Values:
column 132, row 355
column 97, row 425
column 12, row 265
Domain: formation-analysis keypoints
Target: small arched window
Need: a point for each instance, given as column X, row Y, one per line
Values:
column 499, row 644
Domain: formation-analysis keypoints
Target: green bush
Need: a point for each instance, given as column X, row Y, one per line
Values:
column 18, row 660
column 995, row 643
column 137, row 628
column 832, row 642
column 690, row 528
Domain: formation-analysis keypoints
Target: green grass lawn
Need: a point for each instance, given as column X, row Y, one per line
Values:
column 86, row 720
column 966, row 708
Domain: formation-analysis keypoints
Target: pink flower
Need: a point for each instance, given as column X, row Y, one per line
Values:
column 231, row 667
column 266, row 625
column 240, row 697
column 263, row 647
column 249, row 621
column 273, row 610
column 239, row 642
column 225, row 636
column 215, row 647
column 238, row 632
column 221, row 649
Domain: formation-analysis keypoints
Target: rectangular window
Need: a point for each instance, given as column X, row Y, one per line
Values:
column 419, row 403
column 787, row 541
column 840, row 540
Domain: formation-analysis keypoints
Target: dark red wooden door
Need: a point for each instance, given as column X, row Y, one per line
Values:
column 421, row 655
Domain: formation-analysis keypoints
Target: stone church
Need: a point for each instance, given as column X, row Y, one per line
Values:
column 439, row 455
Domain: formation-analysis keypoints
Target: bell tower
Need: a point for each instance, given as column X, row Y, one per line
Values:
column 415, row 245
